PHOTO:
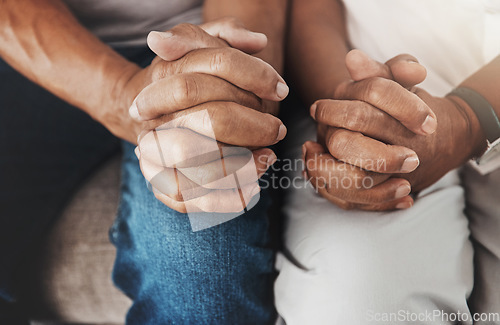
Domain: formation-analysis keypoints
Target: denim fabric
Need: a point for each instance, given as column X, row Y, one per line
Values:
column 222, row 275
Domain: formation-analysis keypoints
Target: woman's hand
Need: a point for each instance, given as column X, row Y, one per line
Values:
column 367, row 134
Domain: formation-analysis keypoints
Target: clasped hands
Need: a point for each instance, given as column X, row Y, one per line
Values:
column 381, row 139
column 203, row 118
column 378, row 131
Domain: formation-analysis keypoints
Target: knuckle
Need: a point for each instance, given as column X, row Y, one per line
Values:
column 354, row 118
column 341, row 89
column 377, row 197
column 374, row 90
column 322, row 111
column 160, row 71
column 358, row 177
column 185, row 29
column 219, row 119
column 338, row 143
column 268, row 74
column 219, row 59
column 177, row 151
column 185, row 91
column 232, row 22
column 247, row 98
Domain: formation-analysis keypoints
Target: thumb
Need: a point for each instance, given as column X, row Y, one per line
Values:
column 361, row 66
column 180, row 40
column 404, row 68
column 184, row 38
column 236, row 35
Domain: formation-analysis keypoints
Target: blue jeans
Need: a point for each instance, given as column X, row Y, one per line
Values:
column 221, row 275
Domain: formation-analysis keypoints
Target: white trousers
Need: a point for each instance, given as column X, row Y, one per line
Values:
column 413, row 266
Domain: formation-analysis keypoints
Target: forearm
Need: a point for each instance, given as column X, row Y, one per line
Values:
column 317, row 46
column 485, row 81
column 264, row 16
column 43, row 41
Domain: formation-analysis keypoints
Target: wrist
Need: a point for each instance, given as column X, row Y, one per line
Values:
column 121, row 89
column 475, row 138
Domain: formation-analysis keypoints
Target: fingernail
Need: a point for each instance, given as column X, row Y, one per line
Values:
column 403, row 191
column 404, row 205
column 137, row 152
column 260, row 36
column 430, row 124
column 410, row 164
column 163, row 35
column 282, row 90
column 313, row 111
column 304, row 151
column 134, row 111
column 281, row 132
column 271, row 159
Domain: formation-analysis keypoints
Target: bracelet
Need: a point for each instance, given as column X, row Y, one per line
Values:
column 485, row 113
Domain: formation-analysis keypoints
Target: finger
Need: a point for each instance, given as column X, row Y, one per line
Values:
column 171, row 182
column 229, row 123
column 179, row 147
column 178, row 206
column 406, row 70
column 214, row 201
column 402, row 203
column 403, row 68
column 330, row 172
column 350, row 184
column 359, row 150
column 180, row 40
column 243, row 70
column 343, row 204
column 359, row 116
column 361, row 66
column 393, row 99
column 233, row 171
column 183, row 91
column 225, row 201
column 218, row 201
column 234, row 32
column 399, row 204
column 387, row 191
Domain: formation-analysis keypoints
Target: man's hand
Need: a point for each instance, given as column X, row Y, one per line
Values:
column 182, row 178
column 371, row 135
column 201, row 68
column 212, row 93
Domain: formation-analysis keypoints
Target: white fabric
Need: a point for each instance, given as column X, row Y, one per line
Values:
column 128, row 22
column 349, row 267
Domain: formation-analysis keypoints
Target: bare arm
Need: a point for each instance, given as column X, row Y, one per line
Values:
column 43, row 41
column 317, row 47
column 264, row 16
column 485, row 82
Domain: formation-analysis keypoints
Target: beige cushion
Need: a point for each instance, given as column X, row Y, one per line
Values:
column 74, row 283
